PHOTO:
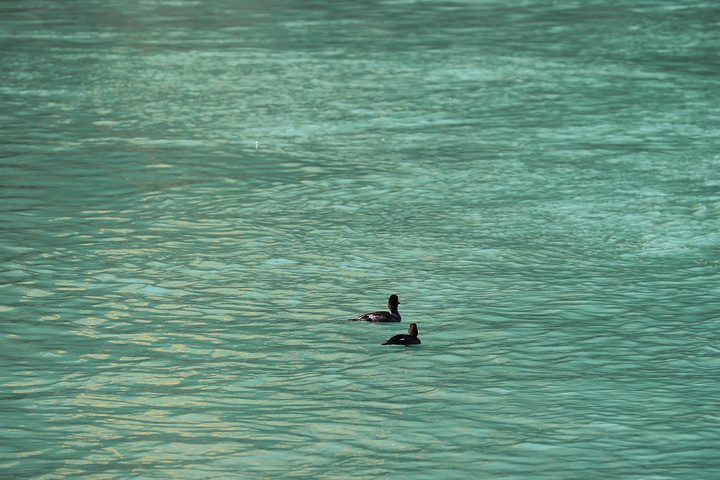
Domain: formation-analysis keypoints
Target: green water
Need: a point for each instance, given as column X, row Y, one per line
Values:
column 196, row 195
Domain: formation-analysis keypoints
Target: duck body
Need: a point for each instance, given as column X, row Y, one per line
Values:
column 379, row 317
column 410, row 338
column 386, row 317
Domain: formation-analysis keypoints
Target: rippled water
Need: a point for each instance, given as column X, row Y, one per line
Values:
column 196, row 195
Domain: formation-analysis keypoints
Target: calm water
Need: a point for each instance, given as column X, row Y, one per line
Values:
column 196, row 195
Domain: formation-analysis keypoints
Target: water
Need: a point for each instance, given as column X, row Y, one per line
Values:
column 196, row 195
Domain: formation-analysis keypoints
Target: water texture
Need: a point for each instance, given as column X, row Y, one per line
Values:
column 194, row 196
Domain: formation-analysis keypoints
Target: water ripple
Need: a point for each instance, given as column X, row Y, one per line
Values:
column 197, row 195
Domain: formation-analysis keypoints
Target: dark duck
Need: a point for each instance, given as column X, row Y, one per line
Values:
column 392, row 316
column 409, row 338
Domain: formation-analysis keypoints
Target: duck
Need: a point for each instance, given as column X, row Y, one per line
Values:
column 409, row 338
column 392, row 316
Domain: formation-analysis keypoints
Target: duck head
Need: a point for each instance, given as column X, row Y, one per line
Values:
column 393, row 302
column 413, row 331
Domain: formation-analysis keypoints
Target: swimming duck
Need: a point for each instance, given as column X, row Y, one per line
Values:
column 392, row 316
column 410, row 338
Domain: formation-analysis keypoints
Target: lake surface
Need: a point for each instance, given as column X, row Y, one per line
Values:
column 195, row 196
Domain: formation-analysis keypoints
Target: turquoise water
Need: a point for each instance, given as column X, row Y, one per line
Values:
column 196, row 195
